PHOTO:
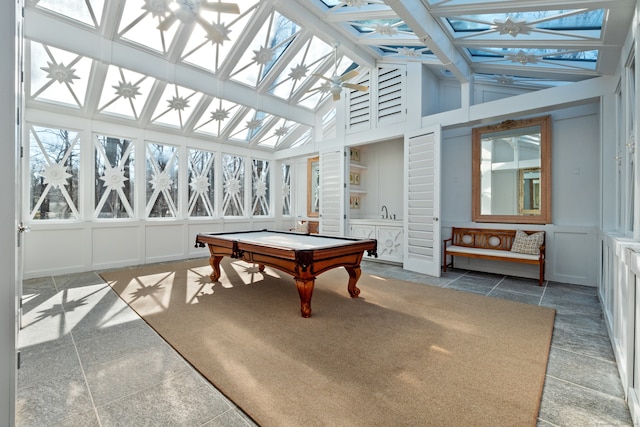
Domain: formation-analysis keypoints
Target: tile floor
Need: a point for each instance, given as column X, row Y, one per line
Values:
column 88, row 360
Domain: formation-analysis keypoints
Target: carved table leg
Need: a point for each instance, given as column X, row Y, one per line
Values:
column 305, row 290
column 214, row 261
column 354, row 275
column 261, row 268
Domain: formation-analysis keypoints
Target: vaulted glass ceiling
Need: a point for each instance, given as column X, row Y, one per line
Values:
column 251, row 72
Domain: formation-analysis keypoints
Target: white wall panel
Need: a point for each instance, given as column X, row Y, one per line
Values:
column 116, row 245
column 164, row 242
column 574, row 255
column 55, row 251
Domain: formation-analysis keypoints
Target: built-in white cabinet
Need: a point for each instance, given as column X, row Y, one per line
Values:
column 357, row 181
column 389, row 235
column 621, row 306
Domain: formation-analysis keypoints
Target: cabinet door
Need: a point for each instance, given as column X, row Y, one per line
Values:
column 364, row 232
column 390, row 243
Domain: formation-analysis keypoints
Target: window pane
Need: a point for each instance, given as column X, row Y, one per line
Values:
column 114, row 173
column 54, row 156
column 286, row 189
column 162, row 181
column 201, row 183
column 233, row 185
column 261, row 193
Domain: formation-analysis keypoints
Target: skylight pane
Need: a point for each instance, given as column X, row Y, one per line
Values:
column 219, row 114
column 272, row 40
column 300, row 68
column 124, row 92
column 211, row 54
column 555, row 20
column 86, row 11
column 588, row 55
column 382, row 26
column 139, row 24
column 58, row 76
column 176, row 105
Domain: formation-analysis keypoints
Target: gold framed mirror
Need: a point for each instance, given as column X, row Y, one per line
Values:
column 313, row 186
column 511, row 172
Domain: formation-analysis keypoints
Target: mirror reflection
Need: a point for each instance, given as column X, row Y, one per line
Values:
column 313, row 187
column 511, row 172
column 529, row 192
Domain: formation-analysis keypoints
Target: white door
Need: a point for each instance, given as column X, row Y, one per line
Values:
column 422, row 252
column 332, row 193
column 10, row 209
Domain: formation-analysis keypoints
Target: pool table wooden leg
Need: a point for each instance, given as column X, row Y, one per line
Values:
column 354, row 275
column 305, row 290
column 214, row 261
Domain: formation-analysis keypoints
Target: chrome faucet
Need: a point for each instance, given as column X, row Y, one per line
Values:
column 386, row 212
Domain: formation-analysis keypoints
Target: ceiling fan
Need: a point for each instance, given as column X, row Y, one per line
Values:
column 188, row 11
column 335, row 83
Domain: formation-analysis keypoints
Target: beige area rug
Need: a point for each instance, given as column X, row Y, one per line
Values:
column 400, row 354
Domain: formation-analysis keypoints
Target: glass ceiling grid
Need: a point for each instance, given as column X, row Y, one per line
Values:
column 257, row 45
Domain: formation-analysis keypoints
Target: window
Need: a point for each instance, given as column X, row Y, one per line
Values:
column 233, row 177
column 54, row 156
column 201, row 183
column 260, row 195
column 286, row 189
column 114, row 173
column 162, row 181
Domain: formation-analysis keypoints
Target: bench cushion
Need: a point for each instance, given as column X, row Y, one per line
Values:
column 452, row 250
column 525, row 243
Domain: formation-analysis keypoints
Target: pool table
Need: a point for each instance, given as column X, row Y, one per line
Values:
column 304, row 256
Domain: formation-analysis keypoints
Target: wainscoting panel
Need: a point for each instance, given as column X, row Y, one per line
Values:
column 114, row 246
column 574, row 257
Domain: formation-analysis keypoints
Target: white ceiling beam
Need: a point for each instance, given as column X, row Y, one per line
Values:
column 316, row 24
column 416, row 16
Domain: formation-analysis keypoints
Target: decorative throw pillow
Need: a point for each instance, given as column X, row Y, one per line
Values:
column 302, row 227
column 527, row 243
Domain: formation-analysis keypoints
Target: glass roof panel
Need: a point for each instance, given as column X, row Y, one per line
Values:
column 350, row 3
column 249, row 122
column 176, row 105
column 278, row 131
column 381, row 26
column 304, row 139
column 300, row 68
column 86, row 11
column 140, row 21
column 405, row 51
column 58, row 76
column 586, row 55
column 272, row 40
column 124, row 92
column 210, row 53
column 217, row 117
column 553, row 20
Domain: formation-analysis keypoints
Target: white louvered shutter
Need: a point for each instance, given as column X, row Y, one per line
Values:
column 422, row 251
column 390, row 107
column 332, row 193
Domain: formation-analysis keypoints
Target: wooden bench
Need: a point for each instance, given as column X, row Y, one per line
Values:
column 494, row 245
column 304, row 226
